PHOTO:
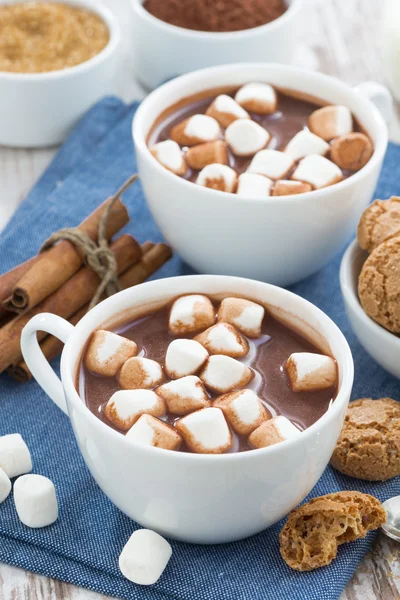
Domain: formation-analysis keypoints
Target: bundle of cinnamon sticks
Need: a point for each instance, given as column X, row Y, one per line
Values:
column 58, row 281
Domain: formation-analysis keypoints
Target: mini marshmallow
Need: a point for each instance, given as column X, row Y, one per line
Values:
column 308, row 372
column 169, row 154
column 144, row 557
column 351, row 151
column 208, row 153
column 259, row 98
column 140, row 373
column 35, row 501
column 222, row 338
column 184, row 395
column 243, row 410
column 226, row 110
column 205, row 431
column 271, row 163
column 190, row 314
column 218, row 177
column 273, row 431
column 184, row 357
column 149, row 431
column 223, row 374
column 246, row 137
column 5, row 485
column 286, row 187
column 329, row 122
column 251, row 185
column 317, row 171
column 245, row 315
column 126, row 406
column 107, row 352
column 15, row 458
column 195, row 130
column 305, row 143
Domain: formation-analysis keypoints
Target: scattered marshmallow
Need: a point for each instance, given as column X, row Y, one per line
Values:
column 226, row 110
column 140, row 373
column 15, row 458
column 259, row 98
column 205, row 431
column 305, row 143
column 243, row 410
column 169, row 154
column 195, row 130
column 317, row 171
column 286, row 187
column 190, row 314
column 184, row 395
column 272, row 432
column 222, row 338
column 351, row 151
column 246, row 137
column 308, row 372
column 223, row 374
column 149, row 431
column 5, row 485
column 198, row 157
column 251, row 185
column 35, row 501
column 144, row 557
column 218, row 177
column 245, row 315
column 271, row 163
column 107, row 352
column 126, row 406
column 184, row 357
column 329, row 122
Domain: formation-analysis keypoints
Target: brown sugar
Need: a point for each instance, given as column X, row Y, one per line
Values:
column 38, row 37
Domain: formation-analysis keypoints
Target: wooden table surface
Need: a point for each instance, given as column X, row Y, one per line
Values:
column 339, row 37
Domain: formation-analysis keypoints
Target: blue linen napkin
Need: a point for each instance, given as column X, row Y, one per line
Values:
column 83, row 546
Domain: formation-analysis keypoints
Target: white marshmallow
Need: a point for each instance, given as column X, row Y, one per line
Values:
column 126, row 406
column 318, row 171
column 169, row 154
column 144, row 557
column 205, row 431
column 271, row 163
column 15, row 458
column 251, row 185
column 305, row 143
column 202, row 127
column 257, row 97
column 308, row 371
column 331, row 121
column 140, row 373
column 184, row 357
column 107, row 352
column 190, row 314
column 222, row 338
column 223, row 374
column 184, row 395
column 149, row 431
column 218, row 177
column 5, row 485
column 226, row 110
column 272, row 432
column 243, row 314
column 246, row 137
column 35, row 501
column 243, row 410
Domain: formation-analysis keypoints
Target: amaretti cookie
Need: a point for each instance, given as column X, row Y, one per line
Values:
column 379, row 222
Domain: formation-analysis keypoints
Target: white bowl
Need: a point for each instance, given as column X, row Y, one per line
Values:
column 193, row 497
column 278, row 239
column 163, row 51
column 40, row 109
column 383, row 346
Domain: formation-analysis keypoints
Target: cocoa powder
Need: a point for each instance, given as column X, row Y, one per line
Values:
column 216, row 15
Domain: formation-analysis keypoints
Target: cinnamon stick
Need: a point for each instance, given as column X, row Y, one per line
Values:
column 58, row 264
column 10, row 279
column 65, row 301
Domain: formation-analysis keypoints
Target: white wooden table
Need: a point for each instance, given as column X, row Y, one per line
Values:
column 339, row 37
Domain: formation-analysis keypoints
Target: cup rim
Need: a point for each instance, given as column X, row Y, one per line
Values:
column 187, row 79
column 115, row 37
column 73, row 397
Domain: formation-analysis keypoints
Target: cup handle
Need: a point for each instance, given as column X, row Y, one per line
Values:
column 35, row 359
column 379, row 96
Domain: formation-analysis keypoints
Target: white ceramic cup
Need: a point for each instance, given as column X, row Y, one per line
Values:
column 193, row 497
column 277, row 239
column 162, row 51
column 41, row 109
